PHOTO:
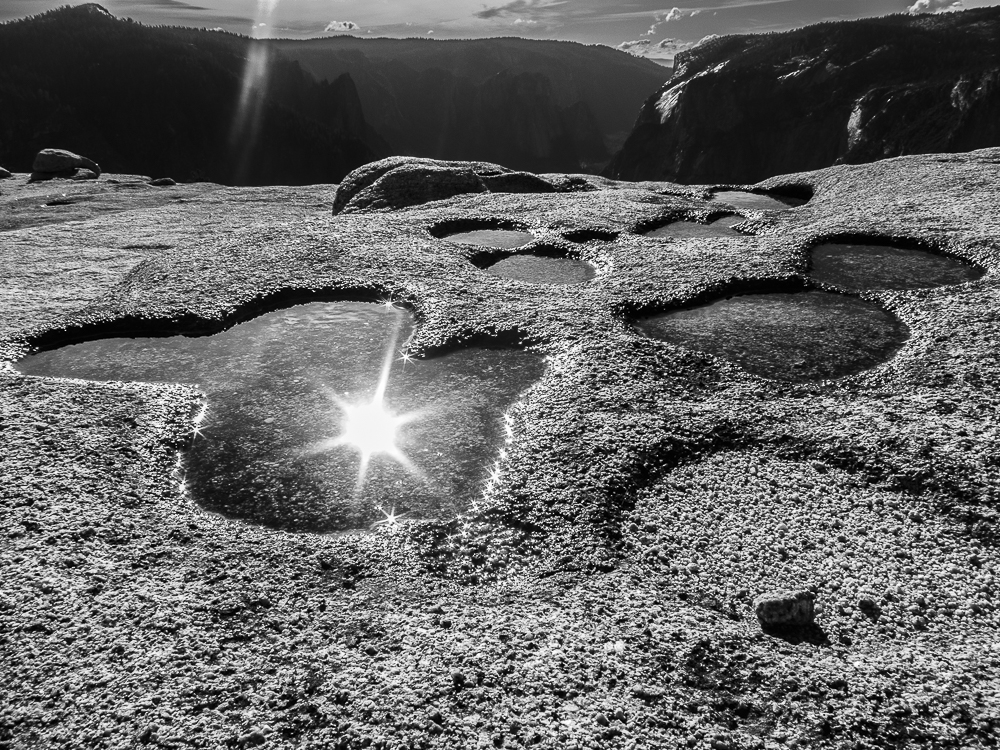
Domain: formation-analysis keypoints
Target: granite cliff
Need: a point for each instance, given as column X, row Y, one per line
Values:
column 742, row 108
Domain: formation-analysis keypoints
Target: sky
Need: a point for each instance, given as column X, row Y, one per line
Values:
column 647, row 27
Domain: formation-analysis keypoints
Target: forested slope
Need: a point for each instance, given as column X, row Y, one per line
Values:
column 174, row 102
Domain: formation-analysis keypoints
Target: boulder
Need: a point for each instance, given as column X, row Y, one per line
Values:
column 52, row 162
column 785, row 609
column 4, row 174
column 401, row 181
column 414, row 185
column 517, row 182
column 163, row 182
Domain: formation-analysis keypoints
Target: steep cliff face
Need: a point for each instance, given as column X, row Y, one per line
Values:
column 743, row 108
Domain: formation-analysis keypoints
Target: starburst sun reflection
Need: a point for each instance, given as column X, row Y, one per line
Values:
column 370, row 427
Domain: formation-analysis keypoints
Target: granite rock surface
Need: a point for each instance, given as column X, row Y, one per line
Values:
column 602, row 594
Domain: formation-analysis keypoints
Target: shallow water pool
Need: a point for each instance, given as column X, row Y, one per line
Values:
column 540, row 269
column 798, row 336
column 863, row 266
column 692, row 229
column 508, row 239
column 313, row 420
column 758, row 201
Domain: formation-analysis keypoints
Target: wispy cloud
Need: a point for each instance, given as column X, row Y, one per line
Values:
column 667, row 16
column 519, row 8
column 166, row 4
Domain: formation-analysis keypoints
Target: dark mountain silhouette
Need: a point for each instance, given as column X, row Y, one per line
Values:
column 525, row 104
column 739, row 109
column 179, row 102
column 171, row 101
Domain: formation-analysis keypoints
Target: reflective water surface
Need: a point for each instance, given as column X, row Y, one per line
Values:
column 539, row 269
column 684, row 229
column 797, row 336
column 503, row 238
column 758, row 201
column 305, row 426
column 858, row 266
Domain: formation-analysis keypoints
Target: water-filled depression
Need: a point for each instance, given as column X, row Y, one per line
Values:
column 540, row 269
column 507, row 239
column 297, row 434
column 691, row 229
column 863, row 266
column 796, row 336
column 758, row 201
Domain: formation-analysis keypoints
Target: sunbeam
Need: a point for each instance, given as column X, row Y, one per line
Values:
column 253, row 92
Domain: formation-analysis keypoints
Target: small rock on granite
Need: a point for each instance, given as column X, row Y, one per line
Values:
column 785, row 608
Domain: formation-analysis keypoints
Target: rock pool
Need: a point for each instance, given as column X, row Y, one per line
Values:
column 296, row 435
column 540, row 269
column 857, row 267
column 507, row 239
column 798, row 336
column 722, row 227
column 757, row 201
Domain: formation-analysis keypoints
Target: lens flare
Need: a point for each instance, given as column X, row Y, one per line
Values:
column 370, row 428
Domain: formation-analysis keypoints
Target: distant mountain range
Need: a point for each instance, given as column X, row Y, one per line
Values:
column 197, row 104
column 542, row 106
column 739, row 109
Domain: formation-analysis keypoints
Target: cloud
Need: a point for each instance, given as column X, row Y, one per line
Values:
column 668, row 16
column 518, row 8
column 500, row 10
column 666, row 48
column 670, row 47
column 341, row 26
column 637, row 47
column 934, row 6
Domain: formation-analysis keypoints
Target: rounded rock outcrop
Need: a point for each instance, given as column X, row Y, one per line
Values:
column 56, row 162
column 402, row 181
